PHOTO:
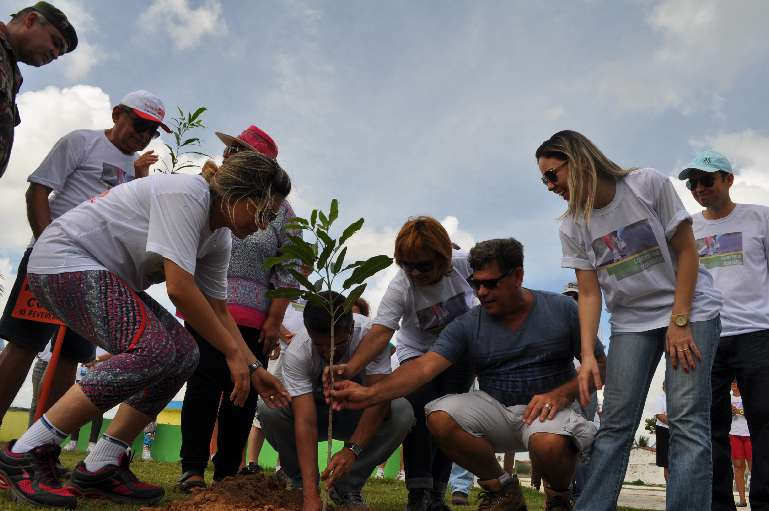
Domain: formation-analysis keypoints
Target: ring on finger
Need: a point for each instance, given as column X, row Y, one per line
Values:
column 683, row 350
column 548, row 405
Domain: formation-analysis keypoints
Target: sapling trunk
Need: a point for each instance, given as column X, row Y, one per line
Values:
column 330, row 430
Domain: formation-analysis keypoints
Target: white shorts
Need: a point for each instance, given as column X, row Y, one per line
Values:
column 483, row 416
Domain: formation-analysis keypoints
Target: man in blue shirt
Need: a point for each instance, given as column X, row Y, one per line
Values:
column 521, row 344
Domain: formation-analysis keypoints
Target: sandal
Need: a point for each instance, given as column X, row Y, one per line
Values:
column 187, row 485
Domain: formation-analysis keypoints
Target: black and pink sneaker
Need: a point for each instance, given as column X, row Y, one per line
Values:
column 114, row 482
column 32, row 477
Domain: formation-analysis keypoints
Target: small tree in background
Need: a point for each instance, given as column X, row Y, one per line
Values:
column 326, row 256
column 183, row 143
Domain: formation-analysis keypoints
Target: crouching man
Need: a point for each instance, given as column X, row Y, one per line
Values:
column 521, row 343
column 370, row 436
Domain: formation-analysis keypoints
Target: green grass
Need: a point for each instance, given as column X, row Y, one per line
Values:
column 379, row 494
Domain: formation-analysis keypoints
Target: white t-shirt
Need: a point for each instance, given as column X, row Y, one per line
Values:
column 735, row 249
column 739, row 422
column 81, row 165
column 130, row 229
column 421, row 312
column 628, row 243
column 303, row 364
column 293, row 319
column 661, row 408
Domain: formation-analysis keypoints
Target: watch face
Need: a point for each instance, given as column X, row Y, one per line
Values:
column 682, row 320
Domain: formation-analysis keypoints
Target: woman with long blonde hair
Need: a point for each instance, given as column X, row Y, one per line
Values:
column 90, row 268
column 629, row 239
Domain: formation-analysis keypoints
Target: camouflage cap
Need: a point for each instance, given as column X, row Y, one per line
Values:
column 59, row 20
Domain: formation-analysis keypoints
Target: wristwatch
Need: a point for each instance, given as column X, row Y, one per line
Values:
column 355, row 448
column 253, row 366
column 680, row 319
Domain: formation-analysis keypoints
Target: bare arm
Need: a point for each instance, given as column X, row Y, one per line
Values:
column 369, row 348
column 589, row 305
column 403, row 381
column 38, row 209
column 663, row 418
column 306, row 438
column 271, row 329
column 681, row 347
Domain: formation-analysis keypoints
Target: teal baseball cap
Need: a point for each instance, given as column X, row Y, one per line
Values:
column 707, row 161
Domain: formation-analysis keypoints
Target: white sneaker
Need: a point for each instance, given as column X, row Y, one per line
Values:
column 91, row 446
column 401, row 476
column 379, row 473
column 71, row 446
column 146, row 453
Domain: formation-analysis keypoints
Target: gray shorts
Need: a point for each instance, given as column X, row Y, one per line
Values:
column 483, row 416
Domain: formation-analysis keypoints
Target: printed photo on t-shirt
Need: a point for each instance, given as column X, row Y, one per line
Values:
column 113, row 175
column 434, row 318
column 628, row 250
column 720, row 250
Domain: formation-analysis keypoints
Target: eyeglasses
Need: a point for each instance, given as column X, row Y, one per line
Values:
column 142, row 125
column 233, row 149
column 268, row 217
column 487, row 283
column 706, row 179
column 420, row 266
column 551, row 176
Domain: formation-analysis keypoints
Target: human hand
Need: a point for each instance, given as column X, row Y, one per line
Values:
column 311, row 501
column 346, row 394
column 269, row 335
column 270, row 388
column 143, row 163
column 341, row 372
column 589, row 373
column 239, row 375
column 681, row 348
column 339, row 466
column 545, row 406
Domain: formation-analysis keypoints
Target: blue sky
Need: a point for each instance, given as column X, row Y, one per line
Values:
column 402, row 108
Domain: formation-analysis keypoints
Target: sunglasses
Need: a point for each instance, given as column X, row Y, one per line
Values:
column 487, row 283
column 143, row 125
column 551, row 176
column 420, row 266
column 233, row 149
column 268, row 217
column 706, row 180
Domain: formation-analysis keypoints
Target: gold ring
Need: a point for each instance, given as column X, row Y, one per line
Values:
column 272, row 397
column 548, row 405
column 683, row 349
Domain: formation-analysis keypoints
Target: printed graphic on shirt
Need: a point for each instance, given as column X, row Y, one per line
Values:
column 113, row 175
column 720, row 250
column 432, row 319
column 627, row 251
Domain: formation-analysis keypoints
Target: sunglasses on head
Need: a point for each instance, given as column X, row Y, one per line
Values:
column 143, row 125
column 706, row 179
column 487, row 283
column 233, row 149
column 551, row 175
column 420, row 266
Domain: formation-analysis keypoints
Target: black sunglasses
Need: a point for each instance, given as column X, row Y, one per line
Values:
column 551, row 175
column 706, row 180
column 420, row 266
column 233, row 149
column 487, row 283
column 268, row 216
column 143, row 125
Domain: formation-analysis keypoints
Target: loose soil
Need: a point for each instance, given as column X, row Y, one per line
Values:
column 255, row 492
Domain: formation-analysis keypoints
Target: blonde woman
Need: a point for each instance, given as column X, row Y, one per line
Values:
column 90, row 268
column 629, row 239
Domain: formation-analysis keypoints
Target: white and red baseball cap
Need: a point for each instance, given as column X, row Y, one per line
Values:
column 147, row 106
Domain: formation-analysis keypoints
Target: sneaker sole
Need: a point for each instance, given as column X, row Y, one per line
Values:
column 113, row 497
column 19, row 496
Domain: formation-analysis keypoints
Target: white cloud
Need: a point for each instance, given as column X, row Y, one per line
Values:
column 79, row 63
column 184, row 24
column 696, row 50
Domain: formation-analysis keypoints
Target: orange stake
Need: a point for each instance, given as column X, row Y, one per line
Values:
column 50, row 372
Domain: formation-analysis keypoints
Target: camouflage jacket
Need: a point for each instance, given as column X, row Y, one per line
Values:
column 10, row 83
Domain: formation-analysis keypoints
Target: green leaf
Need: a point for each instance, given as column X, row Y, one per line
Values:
column 272, row 261
column 190, row 141
column 333, row 212
column 351, row 265
column 353, row 297
column 298, row 220
column 325, row 238
column 339, row 261
column 302, row 280
column 369, row 267
column 350, row 230
column 284, row 292
column 303, row 249
column 319, row 284
column 295, row 252
column 323, row 218
column 323, row 258
column 314, row 217
column 317, row 300
column 197, row 113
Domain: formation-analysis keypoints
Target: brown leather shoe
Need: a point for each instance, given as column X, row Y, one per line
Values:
column 509, row 498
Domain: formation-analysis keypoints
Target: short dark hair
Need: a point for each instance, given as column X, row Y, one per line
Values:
column 363, row 306
column 506, row 252
column 318, row 319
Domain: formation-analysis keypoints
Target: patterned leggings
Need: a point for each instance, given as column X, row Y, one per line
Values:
column 153, row 354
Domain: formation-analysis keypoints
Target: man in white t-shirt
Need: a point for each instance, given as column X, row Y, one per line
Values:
column 371, row 436
column 733, row 243
column 81, row 165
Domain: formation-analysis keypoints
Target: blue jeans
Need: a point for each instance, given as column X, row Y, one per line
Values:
column 632, row 360
column 460, row 480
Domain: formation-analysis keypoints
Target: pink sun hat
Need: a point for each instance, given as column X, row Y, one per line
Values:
column 254, row 139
